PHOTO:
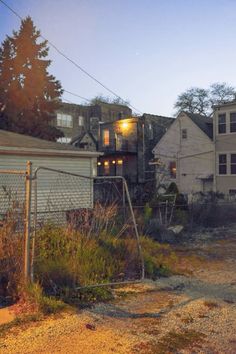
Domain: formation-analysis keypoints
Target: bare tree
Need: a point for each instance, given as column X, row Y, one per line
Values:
column 221, row 92
column 200, row 101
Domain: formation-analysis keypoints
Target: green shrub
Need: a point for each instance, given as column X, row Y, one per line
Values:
column 41, row 303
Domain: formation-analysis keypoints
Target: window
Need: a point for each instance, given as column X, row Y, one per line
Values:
column 119, row 167
column 64, row 140
column 184, row 134
column 106, row 136
column 64, row 120
column 232, row 194
column 222, row 123
column 106, row 168
column 81, row 121
column 222, row 164
column 172, row 169
column 150, row 131
column 232, row 122
column 233, row 164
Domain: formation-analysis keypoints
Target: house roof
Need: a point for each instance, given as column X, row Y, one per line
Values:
column 76, row 140
column 19, row 143
column 204, row 123
column 168, row 120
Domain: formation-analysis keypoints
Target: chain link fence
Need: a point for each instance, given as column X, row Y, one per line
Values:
column 85, row 233
column 12, row 225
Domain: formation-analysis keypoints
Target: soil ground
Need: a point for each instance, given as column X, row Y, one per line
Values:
column 179, row 314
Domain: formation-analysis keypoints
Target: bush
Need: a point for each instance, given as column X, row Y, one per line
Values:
column 159, row 259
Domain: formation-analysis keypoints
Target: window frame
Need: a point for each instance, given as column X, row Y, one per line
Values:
column 222, row 124
column 184, row 133
column 233, row 164
column 64, row 120
column 173, row 169
column 80, row 121
column 232, row 124
column 222, row 164
column 106, row 137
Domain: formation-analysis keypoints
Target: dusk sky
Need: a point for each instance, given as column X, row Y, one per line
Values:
column 147, row 51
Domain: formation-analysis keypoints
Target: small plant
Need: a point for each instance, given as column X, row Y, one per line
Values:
column 35, row 301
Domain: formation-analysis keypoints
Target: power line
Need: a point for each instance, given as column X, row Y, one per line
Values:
column 75, row 94
column 73, row 62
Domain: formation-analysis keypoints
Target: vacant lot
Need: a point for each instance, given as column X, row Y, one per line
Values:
column 180, row 314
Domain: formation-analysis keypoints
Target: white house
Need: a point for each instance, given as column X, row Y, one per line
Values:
column 56, row 192
column 185, row 154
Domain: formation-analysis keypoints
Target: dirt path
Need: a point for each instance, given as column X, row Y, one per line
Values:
column 179, row 314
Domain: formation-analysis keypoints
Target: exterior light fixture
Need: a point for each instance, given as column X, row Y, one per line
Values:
column 120, row 162
column 124, row 125
column 113, row 162
column 106, row 163
column 99, row 163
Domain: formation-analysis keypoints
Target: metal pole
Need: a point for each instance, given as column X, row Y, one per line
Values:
column 27, row 221
column 123, row 200
column 34, row 234
column 135, row 229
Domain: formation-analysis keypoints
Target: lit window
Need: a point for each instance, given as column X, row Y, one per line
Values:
column 222, row 123
column 173, row 169
column 81, row 121
column 119, row 167
column 106, row 136
column 106, row 167
column 222, row 164
column 184, row 134
column 233, row 164
column 64, row 120
column 232, row 122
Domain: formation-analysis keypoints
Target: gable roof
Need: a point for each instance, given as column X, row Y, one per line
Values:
column 76, row 140
column 19, row 142
column 204, row 123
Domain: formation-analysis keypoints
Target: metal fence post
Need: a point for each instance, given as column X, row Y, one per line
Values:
column 28, row 187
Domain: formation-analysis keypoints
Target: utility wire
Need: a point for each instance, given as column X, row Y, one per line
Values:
column 73, row 62
column 75, row 94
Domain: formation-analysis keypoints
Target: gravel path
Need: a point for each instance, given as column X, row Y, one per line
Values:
column 179, row 314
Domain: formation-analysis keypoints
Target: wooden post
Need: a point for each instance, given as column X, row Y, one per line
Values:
column 28, row 186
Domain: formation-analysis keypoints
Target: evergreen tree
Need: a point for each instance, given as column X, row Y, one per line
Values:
column 30, row 95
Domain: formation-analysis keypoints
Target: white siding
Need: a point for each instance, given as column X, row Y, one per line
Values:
column 56, row 192
column 194, row 156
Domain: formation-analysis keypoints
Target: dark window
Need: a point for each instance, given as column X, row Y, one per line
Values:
column 223, row 164
column 222, row 123
column 232, row 192
column 184, row 134
column 232, row 122
column 173, row 169
column 233, row 164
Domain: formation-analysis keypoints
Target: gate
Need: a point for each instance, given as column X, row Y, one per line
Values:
column 84, row 231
